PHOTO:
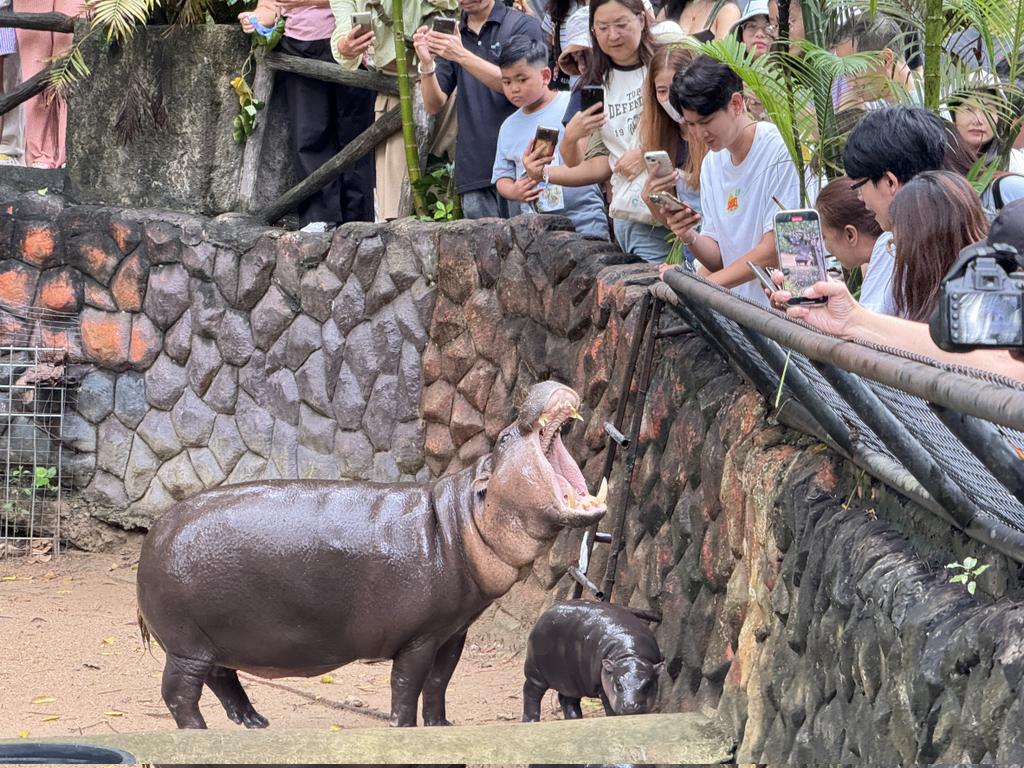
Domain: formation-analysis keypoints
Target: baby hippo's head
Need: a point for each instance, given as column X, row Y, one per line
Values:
column 631, row 684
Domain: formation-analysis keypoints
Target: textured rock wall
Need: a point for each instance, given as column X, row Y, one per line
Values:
column 805, row 604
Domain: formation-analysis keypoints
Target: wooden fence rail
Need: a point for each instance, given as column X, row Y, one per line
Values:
column 46, row 22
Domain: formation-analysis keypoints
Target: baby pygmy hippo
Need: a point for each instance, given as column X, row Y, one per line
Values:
column 584, row 648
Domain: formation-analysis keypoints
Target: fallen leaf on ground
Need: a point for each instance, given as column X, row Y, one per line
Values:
column 113, row 713
column 334, row 728
column 107, row 641
column 43, row 700
column 326, row 679
column 51, row 718
column 22, row 734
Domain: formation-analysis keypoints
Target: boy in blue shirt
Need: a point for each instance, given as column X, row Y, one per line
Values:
column 525, row 75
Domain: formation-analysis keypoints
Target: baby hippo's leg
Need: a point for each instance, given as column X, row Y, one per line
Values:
column 533, row 691
column 224, row 683
column 570, row 707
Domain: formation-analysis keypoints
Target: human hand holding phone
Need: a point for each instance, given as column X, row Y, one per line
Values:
column 584, row 123
column 534, row 160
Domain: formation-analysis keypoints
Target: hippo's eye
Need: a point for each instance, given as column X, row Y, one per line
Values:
column 503, row 440
column 618, row 686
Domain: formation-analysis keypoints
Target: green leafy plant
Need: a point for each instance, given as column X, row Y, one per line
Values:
column 969, row 572
column 436, row 188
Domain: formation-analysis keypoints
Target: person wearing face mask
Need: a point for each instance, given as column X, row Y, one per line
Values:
column 662, row 128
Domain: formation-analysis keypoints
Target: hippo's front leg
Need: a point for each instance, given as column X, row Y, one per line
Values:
column 434, row 689
column 408, row 673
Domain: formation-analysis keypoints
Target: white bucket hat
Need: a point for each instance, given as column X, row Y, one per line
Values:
column 668, row 33
column 577, row 35
column 752, row 9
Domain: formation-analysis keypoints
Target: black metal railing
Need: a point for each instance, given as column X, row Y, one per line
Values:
column 950, row 438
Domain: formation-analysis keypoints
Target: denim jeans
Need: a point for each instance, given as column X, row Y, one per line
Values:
column 645, row 241
column 484, row 203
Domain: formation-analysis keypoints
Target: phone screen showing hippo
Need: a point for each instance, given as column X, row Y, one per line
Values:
column 801, row 252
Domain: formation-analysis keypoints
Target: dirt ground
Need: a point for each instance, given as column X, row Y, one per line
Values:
column 73, row 664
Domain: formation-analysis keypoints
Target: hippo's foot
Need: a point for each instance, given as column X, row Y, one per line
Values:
column 571, row 709
column 225, row 685
column 439, row 721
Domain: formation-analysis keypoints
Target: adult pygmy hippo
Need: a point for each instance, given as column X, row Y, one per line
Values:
column 296, row 578
column 584, row 648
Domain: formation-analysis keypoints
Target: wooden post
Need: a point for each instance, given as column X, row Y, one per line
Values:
column 332, row 73
column 47, row 22
column 31, row 87
column 262, row 89
column 389, row 123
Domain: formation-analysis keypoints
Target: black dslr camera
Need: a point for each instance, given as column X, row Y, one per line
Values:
column 981, row 301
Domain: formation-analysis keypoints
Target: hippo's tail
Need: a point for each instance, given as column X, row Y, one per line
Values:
column 147, row 636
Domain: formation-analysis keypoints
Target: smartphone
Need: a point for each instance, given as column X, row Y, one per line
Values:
column 591, row 95
column 801, row 252
column 668, row 201
column 443, row 25
column 764, row 276
column 546, row 138
column 658, row 163
column 361, row 21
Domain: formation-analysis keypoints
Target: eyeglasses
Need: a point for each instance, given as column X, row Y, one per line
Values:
column 622, row 27
column 769, row 30
column 858, row 184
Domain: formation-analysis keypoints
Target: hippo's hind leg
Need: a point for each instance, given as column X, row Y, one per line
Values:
column 224, row 684
column 570, row 707
column 181, row 688
column 533, row 691
column 436, row 685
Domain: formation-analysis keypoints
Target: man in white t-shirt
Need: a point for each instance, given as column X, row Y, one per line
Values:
column 745, row 178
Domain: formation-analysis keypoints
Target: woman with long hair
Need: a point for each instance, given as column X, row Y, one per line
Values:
column 975, row 119
column 934, row 216
column 662, row 128
column 699, row 17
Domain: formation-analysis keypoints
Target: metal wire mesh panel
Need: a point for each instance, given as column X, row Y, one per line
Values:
column 32, row 401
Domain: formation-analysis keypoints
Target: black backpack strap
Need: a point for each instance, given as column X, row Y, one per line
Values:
column 997, row 196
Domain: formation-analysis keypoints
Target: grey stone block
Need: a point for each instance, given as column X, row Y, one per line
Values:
column 379, row 419
column 225, row 274
column 235, row 338
column 316, row 466
column 226, row 442
column 158, row 432
column 167, row 295
column 178, row 340
column 384, row 470
column 130, row 399
column 26, row 443
column 364, row 356
column 252, row 377
column 283, row 451
column 333, row 345
column 354, row 454
column 317, row 291
column 96, row 396
column 303, row 338
column 284, row 396
column 407, row 445
column 368, row 258
column 315, row 431
column 348, row 403
column 207, row 467
column 402, row 265
column 381, row 291
column 270, row 317
column 223, row 392
column 156, row 501
column 389, row 339
column 255, row 425
column 193, row 420
column 161, row 241
column 254, row 271
column 114, row 442
column 107, row 490
column 199, row 259
column 409, row 384
column 142, row 468
column 165, row 381
column 343, row 252
column 407, row 317
column 179, row 477
column 203, row 364
column 77, row 468
column 311, row 380
column 208, row 308
column 78, row 434
column 349, row 306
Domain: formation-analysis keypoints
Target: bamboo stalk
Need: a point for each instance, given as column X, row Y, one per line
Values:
column 412, row 155
column 934, row 21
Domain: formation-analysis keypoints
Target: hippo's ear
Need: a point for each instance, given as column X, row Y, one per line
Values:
column 482, row 477
column 659, row 667
column 607, row 664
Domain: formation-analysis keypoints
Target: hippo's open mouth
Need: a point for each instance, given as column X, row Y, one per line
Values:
column 570, row 485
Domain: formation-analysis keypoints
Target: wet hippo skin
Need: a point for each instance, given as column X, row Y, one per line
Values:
column 296, row 578
column 585, row 648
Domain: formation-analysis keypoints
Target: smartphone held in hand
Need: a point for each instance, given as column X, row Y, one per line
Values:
column 591, row 95
column 658, row 163
column 361, row 22
column 669, row 202
column 801, row 253
column 546, row 139
column 443, row 25
column 764, row 276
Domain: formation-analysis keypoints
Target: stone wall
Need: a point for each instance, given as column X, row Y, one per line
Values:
column 805, row 604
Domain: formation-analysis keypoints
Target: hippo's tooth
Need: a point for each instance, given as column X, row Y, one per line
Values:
column 576, row 415
column 602, row 492
column 543, row 421
column 572, row 498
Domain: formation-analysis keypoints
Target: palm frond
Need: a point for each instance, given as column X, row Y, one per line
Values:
column 66, row 71
column 118, row 17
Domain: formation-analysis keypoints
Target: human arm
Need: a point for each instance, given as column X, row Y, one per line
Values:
column 665, row 183
column 347, row 46
column 592, row 171
column 524, row 189
column 579, row 129
column 843, row 316
column 738, row 273
column 434, row 96
column 726, row 19
column 703, row 247
column 265, row 12
column 450, row 48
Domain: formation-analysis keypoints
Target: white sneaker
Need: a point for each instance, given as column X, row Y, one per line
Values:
column 317, row 226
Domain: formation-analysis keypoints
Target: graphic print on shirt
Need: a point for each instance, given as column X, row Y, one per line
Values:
column 732, row 201
column 631, row 106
